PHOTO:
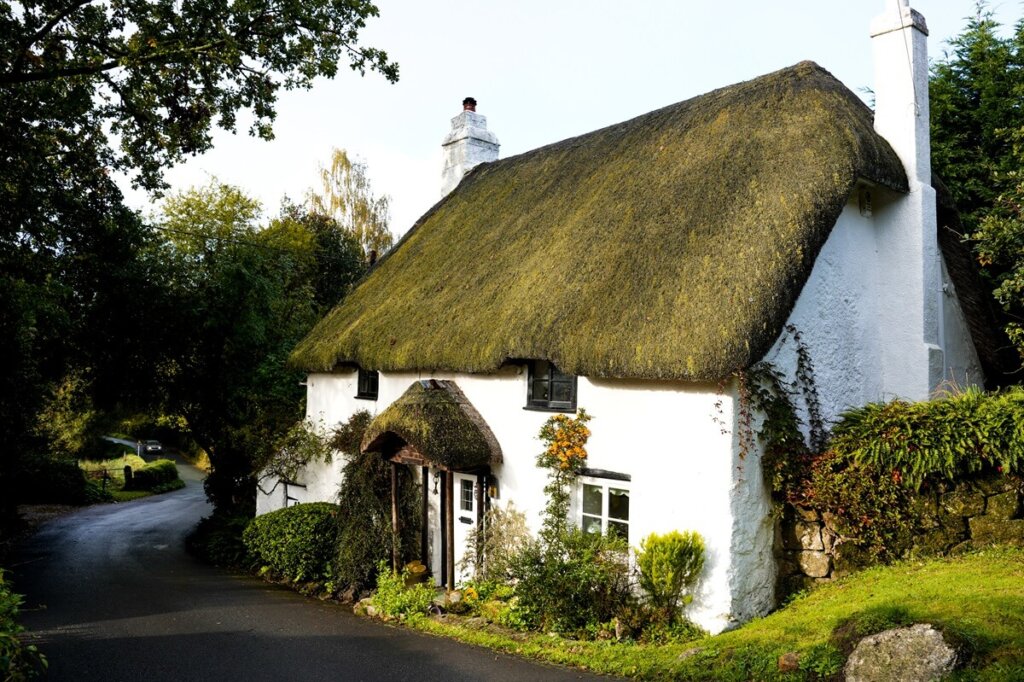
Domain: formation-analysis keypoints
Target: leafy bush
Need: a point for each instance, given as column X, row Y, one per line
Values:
column 218, row 539
column 364, row 509
column 153, row 475
column 572, row 581
column 53, row 480
column 503, row 535
column 395, row 599
column 871, row 510
column 17, row 661
column 296, row 543
column 669, row 566
column 950, row 438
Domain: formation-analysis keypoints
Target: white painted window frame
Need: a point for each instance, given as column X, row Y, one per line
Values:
column 604, row 484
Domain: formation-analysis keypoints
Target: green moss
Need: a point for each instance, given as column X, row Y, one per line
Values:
column 673, row 245
column 437, row 419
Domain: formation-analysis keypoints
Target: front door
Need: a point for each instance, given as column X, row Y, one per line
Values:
column 466, row 514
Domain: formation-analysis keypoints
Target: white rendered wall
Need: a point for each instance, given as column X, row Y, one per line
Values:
column 854, row 325
column 667, row 436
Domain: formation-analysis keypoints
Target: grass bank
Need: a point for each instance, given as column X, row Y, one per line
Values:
column 976, row 599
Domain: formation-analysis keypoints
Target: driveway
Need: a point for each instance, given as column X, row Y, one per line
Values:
column 112, row 595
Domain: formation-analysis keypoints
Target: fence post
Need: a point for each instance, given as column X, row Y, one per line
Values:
column 127, row 477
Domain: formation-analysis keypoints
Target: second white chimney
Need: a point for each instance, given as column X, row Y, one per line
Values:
column 467, row 145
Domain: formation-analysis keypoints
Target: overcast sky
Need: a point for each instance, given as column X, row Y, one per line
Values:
column 542, row 71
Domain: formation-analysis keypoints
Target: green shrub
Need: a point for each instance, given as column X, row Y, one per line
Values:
column 52, row 480
column 961, row 435
column 395, row 599
column 669, row 566
column 572, row 582
column 503, row 535
column 154, row 475
column 218, row 539
column 364, row 509
column 871, row 510
column 296, row 543
column 17, row 661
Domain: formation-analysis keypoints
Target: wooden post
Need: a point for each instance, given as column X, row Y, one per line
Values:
column 394, row 516
column 450, row 484
column 424, row 520
column 481, row 480
column 444, row 528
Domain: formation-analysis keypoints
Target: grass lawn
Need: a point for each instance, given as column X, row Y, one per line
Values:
column 976, row 599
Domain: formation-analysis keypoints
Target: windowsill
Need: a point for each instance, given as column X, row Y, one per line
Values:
column 539, row 408
column 365, row 397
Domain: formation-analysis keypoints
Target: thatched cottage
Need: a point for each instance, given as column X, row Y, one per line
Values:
column 633, row 271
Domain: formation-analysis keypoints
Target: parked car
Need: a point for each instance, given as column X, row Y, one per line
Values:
column 152, row 446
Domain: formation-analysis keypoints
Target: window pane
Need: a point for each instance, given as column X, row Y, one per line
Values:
column 591, row 524
column 618, row 504
column 561, row 391
column 540, row 391
column 618, row 529
column 466, row 497
column 592, row 498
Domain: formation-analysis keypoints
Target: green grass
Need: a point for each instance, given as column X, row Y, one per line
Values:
column 977, row 599
column 115, row 469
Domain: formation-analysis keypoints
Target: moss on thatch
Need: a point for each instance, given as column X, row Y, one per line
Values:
column 673, row 245
column 435, row 418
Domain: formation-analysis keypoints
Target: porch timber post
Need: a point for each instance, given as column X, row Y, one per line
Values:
column 449, row 484
column 444, row 528
column 425, row 475
column 394, row 516
column 480, row 480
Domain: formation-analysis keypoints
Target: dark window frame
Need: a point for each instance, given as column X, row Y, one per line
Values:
column 541, row 376
column 367, row 384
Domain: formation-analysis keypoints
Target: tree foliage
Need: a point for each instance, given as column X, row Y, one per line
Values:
column 978, row 150
column 162, row 73
column 347, row 196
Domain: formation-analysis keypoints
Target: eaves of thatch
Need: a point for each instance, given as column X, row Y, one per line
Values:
column 441, row 425
column 673, row 245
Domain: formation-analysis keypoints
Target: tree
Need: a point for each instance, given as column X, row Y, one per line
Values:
column 348, row 198
column 975, row 93
column 87, row 88
column 978, row 150
column 245, row 293
column 162, row 72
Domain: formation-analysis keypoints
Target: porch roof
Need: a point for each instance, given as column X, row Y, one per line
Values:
column 436, row 419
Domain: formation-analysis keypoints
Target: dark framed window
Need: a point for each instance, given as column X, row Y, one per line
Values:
column 549, row 389
column 368, row 382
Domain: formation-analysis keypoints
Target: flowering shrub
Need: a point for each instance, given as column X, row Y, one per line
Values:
column 565, row 438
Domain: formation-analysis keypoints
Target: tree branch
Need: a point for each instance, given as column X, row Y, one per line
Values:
column 45, row 29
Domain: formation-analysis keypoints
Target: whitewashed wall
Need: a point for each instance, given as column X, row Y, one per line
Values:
column 849, row 312
column 668, row 436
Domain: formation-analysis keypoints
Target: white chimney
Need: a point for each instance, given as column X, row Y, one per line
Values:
column 467, row 145
column 910, row 297
column 900, row 44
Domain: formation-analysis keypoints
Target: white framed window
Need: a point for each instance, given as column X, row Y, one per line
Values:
column 603, row 506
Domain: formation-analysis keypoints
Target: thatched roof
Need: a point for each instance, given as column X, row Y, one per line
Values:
column 673, row 245
column 439, row 422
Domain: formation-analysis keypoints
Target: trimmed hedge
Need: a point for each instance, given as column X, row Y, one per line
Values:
column 160, row 474
column 297, row 543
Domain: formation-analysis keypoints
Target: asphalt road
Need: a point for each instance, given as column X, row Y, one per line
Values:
column 112, row 595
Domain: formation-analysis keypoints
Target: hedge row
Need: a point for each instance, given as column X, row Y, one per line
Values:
column 159, row 474
column 297, row 543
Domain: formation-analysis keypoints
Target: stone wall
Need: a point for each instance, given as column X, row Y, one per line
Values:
column 972, row 514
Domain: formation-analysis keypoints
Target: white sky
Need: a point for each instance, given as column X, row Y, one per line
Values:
column 542, row 71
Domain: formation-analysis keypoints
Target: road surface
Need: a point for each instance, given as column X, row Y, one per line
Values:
column 111, row 595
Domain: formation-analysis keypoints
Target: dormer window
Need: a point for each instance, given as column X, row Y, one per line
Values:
column 367, row 385
column 550, row 389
